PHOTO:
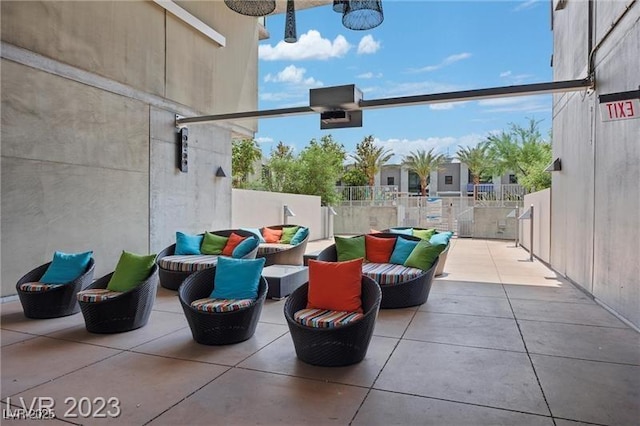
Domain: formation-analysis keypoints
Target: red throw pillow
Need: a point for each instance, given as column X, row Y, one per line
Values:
column 271, row 235
column 378, row 250
column 232, row 242
column 335, row 286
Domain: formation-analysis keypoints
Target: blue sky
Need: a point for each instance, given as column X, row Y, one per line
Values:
column 421, row 47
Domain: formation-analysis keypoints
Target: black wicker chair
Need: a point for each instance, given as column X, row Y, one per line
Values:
column 218, row 328
column 402, row 295
column 126, row 312
column 56, row 302
column 339, row 346
column 443, row 256
column 290, row 256
column 172, row 279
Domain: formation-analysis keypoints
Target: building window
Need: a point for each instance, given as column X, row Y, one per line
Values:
column 390, row 180
column 414, row 183
column 448, row 180
column 513, row 179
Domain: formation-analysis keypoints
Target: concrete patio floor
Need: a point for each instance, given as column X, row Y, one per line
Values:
column 500, row 341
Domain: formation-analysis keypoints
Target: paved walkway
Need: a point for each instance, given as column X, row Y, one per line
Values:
column 500, row 341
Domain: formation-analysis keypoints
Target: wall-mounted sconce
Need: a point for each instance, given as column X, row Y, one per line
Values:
column 287, row 213
column 556, row 166
column 183, row 150
column 220, row 172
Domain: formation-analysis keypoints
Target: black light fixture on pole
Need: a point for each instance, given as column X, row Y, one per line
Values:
column 362, row 14
column 251, row 7
column 290, row 35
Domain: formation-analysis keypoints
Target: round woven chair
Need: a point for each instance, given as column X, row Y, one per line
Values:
column 171, row 280
column 339, row 346
column 218, row 328
column 59, row 301
column 126, row 312
column 443, row 256
column 289, row 256
column 413, row 292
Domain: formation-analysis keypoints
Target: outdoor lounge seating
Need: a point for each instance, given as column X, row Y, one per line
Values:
column 443, row 256
column 173, row 269
column 336, row 346
column 51, row 301
column 282, row 253
column 401, row 286
column 219, row 328
column 107, row 312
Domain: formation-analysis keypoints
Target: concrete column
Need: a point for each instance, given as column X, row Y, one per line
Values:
column 464, row 178
column 404, row 179
column 433, row 184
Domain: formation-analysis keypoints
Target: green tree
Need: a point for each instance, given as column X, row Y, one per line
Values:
column 476, row 159
column 422, row 163
column 319, row 167
column 278, row 174
column 370, row 158
column 244, row 154
column 521, row 150
column 354, row 177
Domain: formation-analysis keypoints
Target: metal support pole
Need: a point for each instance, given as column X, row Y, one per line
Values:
column 517, row 226
column 531, row 235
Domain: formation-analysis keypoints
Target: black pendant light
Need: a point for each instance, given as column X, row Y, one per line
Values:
column 362, row 14
column 290, row 35
column 251, row 7
column 339, row 5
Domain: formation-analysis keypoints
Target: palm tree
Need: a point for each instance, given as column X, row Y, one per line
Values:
column 370, row 158
column 423, row 163
column 476, row 159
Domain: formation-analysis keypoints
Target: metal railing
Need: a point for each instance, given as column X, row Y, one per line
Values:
column 385, row 195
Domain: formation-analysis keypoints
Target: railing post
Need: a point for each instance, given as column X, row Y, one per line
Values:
column 531, row 235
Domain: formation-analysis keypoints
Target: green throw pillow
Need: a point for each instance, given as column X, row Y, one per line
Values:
column 213, row 244
column 132, row 270
column 424, row 234
column 288, row 233
column 350, row 248
column 423, row 255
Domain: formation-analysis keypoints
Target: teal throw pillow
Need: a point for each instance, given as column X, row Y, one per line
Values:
column 441, row 238
column 300, row 236
column 402, row 231
column 132, row 270
column 245, row 247
column 256, row 232
column 424, row 234
column 213, row 244
column 402, row 251
column 188, row 244
column 349, row 248
column 424, row 255
column 237, row 278
column 288, row 233
column 66, row 267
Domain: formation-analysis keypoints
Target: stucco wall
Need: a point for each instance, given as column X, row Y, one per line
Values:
column 89, row 96
column 541, row 202
column 596, row 197
column 256, row 209
column 492, row 223
column 359, row 220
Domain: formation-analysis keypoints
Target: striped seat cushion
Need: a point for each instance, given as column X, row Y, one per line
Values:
column 188, row 263
column 268, row 248
column 321, row 318
column 390, row 273
column 37, row 287
column 97, row 295
column 221, row 305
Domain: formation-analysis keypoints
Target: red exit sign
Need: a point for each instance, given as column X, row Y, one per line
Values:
column 620, row 106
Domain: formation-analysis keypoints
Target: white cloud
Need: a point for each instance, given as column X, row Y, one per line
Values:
column 368, row 75
column 279, row 96
column 447, row 145
column 505, row 74
column 293, row 75
column 445, row 62
column 368, row 45
column 526, row 4
column 537, row 103
column 512, row 78
column 442, row 106
column 310, row 46
column 264, row 139
column 417, row 88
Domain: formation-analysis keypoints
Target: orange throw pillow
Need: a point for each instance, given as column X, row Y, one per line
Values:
column 271, row 235
column 378, row 250
column 232, row 242
column 335, row 286
column 374, row 231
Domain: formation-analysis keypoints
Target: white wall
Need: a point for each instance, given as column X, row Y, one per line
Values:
column 541, row 202
column 255, row 209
